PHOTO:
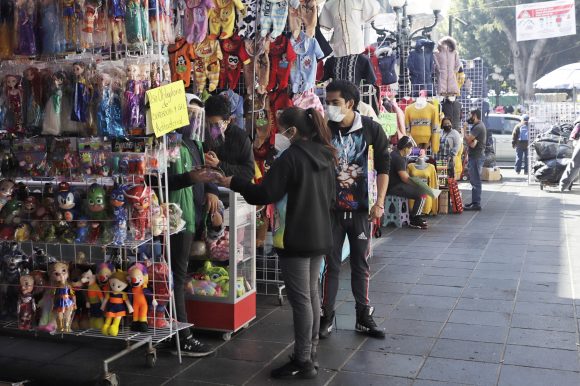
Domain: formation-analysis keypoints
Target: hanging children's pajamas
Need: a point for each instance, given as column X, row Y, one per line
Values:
column 180, row 61
column 282, row 56
column 303, row 13
column 195, row 19
column 223, row 16
column 258, row 80
column 207, row 57
column 231, row 67
column 273, row 14
column 247, row 22
column 303, row 73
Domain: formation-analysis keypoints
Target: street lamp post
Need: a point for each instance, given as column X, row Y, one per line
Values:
column 403, row 35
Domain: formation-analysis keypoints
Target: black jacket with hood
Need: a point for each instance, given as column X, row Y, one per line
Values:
column 304, row 175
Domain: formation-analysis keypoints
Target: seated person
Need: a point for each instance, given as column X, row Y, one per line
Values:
column 451, row 149
column 226, row 146
column 400, row 184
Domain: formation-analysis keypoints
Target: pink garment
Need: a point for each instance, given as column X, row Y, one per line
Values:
column 308, row 99
column 575, row 134
column 446, row 66
column 195, row 19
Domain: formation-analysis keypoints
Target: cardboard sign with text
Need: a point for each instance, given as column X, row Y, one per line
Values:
column 168, row 108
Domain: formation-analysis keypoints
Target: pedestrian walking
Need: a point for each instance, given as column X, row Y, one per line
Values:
column 520, row 141
column 353, row 135
column 301, row 183
column 475, row 139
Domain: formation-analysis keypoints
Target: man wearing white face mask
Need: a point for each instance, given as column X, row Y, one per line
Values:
column 352, row 135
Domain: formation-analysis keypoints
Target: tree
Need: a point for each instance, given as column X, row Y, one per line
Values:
column 491, row 34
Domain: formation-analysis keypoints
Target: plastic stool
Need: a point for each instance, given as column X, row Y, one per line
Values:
column 396, row 211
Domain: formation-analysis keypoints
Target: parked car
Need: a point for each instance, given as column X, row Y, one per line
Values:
column 501, row 127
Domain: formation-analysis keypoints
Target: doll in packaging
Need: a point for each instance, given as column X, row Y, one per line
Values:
column 25, row 23
column 165, row 34
column 64, row 301
column 140, row 198
column 32, row 101
column 116, row 304
column 6, row 28
column 51, row 122
column 26, row 307
column 137, row 23
column 117, row 13
column 13, row 121
column 52, row 34
column 134, row 114
column 120, row 215
column 69, row 18
column 81, row 93
column 109, row 117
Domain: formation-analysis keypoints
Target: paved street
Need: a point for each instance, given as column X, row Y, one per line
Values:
column 479, row 299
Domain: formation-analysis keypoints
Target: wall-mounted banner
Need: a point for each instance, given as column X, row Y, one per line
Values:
column 548, row 19
column 168, row 108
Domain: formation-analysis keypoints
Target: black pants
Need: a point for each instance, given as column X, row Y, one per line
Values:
column 356, row 226
column 409, row 191
column 180, row 251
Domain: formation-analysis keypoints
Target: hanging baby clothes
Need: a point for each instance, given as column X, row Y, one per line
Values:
column 109, row 120
column 347, row 17
column 273, row 15
column 247, row 23
column 303, row 13
column 282, row 57
column 180, row 60
column 222, row 18
column 258, row 80
column 354, row 68
column 207, row 57
column 195, row 19
column 231, row 67
column 303, row 73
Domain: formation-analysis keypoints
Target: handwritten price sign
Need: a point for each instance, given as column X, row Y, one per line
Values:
column 168, row 108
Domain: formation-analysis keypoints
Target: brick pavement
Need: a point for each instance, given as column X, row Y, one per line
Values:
column 483, row 298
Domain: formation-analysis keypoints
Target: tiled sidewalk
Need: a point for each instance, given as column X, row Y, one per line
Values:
column 479, row 299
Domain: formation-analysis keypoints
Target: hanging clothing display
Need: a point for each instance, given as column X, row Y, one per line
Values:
column 282, row 58
column 347, row 17
column 231, row 67
column 447, row 64
column 303, row 73
column 180, row 60
column 222, row 18
column 452, row 110
column 208, row 56
column 387, row 64
column 420, row 64
column 247, row 23
column 354, row 68
column 303, row 14
column 195, row 18
column 273, row 15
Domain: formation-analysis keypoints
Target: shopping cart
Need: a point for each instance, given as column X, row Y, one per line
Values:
column 268, row 274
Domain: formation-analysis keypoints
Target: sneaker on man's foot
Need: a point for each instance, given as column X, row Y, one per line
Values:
column 416, row 223
column 191, row 347
column 295, row 370
column 326, row 324
column 366, row 324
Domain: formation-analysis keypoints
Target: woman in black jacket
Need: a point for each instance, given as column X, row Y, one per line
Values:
column 301, row 182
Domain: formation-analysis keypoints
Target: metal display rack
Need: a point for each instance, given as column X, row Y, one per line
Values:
column 544, row 115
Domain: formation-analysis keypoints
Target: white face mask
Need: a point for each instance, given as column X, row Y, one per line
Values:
column 281, row 144
column 334, row 113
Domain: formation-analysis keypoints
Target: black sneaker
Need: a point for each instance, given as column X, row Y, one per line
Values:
column 314, row 359
column 416, row 223
column 294, row 370
column 473, row 207
column 326, row 324
column 366, row 324
column 191, row 347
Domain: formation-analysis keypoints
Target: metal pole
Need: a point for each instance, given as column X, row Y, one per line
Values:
column 402, row 43
column 450, row 26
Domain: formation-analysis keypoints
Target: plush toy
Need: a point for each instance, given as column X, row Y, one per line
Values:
column 116, row 304
column 159, row 275
column 79, row 282
column 240, row 287
column 201, row 285
column 140, row 296
column 43, row 298
column 96, row 210
column 140, row 198
column 104, row 272
column 22, row 232
column 6, row 191
column 40, row 260
column 14, row 263
column 120, row 214
column 67, row 201
column 64, row 301
column 26, row 307
column 158, row 221
column 82, row 231
column 94, row 299
column 217, row 275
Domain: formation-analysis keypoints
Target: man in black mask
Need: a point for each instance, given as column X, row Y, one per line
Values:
column 475, row 138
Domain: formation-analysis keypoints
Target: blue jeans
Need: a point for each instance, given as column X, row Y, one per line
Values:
column 475, row 165
column 521, row 156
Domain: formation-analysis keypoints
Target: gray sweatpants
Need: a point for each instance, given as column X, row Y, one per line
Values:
column 572, row 169
column 301, row 279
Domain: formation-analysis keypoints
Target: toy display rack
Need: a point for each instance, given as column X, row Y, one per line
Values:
column 544, row 115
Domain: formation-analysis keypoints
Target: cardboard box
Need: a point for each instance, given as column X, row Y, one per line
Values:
column 491, row 174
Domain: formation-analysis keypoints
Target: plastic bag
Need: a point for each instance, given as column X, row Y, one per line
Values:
column 552, row 171
column 547, row 149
